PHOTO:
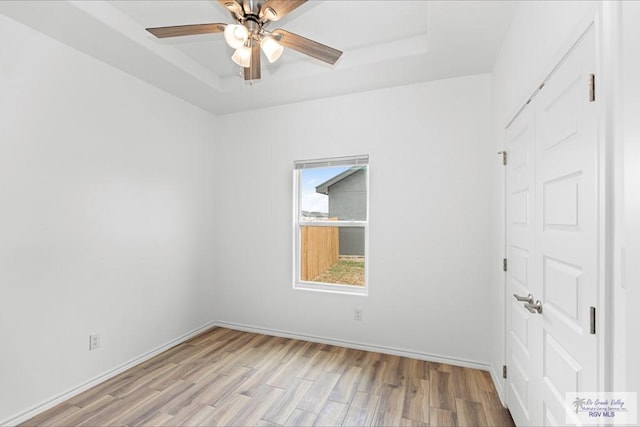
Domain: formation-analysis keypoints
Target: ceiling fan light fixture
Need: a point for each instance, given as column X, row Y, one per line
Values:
column 271, row 48
column 242, row 56
column 236, row 35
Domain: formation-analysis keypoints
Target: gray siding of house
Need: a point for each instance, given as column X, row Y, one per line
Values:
column 348, row 202
column 351, row 241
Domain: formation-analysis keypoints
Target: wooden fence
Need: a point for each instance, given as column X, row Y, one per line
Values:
column 320, row 249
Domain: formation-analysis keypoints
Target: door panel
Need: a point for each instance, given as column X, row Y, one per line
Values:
column 520, row 246
column 567, row 237
column 552, row 208
column 561, row 288
column 560, row 197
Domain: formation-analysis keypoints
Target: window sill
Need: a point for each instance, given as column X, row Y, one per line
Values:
column 332, row 289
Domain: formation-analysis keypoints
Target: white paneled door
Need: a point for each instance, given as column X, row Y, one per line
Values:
column 523, row 340
column 553, row 204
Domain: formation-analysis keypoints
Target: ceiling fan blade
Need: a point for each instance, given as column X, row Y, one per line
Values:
column 308, row 47
column 274, row 10
column 233, row 7
column 253, row 72
column 186, row 30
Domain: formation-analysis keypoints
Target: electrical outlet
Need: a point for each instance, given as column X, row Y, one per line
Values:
column 357, row 314
column 94, row 341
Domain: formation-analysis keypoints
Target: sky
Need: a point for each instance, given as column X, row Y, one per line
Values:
column 309, row 179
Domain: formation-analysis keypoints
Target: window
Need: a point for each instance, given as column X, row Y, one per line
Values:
column 331, row 199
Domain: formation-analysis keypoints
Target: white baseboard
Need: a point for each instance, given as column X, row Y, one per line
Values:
column 38, row 409
column 360, row 346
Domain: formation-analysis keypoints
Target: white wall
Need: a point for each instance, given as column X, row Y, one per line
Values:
column 105, row 187
column 541, row 33
column 630, row 91
column 429, row 177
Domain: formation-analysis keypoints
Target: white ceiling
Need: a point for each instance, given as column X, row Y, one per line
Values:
column 385, row 43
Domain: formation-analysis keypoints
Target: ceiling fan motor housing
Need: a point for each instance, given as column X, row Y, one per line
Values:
column 253, row 26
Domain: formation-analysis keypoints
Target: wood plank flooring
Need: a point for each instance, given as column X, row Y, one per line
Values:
column 227, row 377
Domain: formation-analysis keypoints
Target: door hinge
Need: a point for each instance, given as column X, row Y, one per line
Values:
column 592, row 87
column 504, row 157
column 504, row 371
column 504, row 264
column 592, row 322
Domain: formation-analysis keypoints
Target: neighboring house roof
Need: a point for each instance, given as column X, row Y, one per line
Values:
column 314, row 214
column 324, row 187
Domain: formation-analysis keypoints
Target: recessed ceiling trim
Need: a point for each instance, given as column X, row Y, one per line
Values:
column 105, row 13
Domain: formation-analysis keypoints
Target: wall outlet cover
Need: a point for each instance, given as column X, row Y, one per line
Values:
column 94, row 341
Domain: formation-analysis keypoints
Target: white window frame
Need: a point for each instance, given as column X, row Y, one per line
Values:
column 299, row 165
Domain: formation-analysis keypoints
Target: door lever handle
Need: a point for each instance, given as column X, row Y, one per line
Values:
column 528, row 299
column 534, row 308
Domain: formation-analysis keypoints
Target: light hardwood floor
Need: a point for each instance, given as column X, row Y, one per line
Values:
column 227, row 377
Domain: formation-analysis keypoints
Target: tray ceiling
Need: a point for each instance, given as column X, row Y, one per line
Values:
column 385, row 43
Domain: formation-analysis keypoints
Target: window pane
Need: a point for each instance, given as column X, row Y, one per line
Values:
column 334, row 193
column 332, row 255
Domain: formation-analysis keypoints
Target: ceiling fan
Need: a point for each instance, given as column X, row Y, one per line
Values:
column 248, row 35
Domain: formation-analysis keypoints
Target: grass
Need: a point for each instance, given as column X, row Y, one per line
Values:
column 347, row 271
